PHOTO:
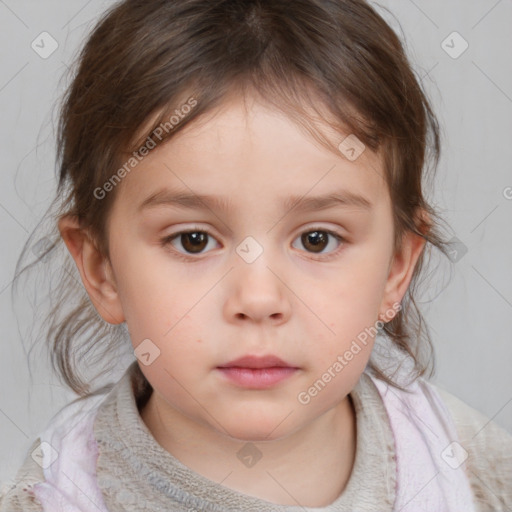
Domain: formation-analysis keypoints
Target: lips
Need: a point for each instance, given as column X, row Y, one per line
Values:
column 269, row 361
column 257, row 372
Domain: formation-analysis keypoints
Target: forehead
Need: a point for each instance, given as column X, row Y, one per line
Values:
column 245, row 148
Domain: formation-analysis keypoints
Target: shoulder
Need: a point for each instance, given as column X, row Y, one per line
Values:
column 61, row 448
column 67, row 445
column 488, row 448
column 16, row 495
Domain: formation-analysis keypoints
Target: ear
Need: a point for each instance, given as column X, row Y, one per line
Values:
column 95, row 270
column 401, row 270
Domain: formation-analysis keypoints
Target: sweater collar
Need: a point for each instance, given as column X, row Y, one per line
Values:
column 133, row 470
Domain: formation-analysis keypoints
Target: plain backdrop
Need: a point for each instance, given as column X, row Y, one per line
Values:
column 460, row 50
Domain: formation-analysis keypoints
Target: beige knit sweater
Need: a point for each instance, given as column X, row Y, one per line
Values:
column 136, row 474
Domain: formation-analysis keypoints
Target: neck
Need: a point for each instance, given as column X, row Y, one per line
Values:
column 285, row 464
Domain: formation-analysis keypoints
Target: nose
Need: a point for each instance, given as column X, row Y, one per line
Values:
column 257, row 294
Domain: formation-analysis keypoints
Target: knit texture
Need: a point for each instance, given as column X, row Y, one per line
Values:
column 160, row 479
column 136, row 474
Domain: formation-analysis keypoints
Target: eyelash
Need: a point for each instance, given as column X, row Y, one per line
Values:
column 166, row 241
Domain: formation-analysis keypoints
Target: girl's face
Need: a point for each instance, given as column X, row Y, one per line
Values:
column 288, row 253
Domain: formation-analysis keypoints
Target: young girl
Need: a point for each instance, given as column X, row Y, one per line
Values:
column 241, row 187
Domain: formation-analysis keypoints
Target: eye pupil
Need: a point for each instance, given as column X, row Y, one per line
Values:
column 194, row 242
column 315, row 240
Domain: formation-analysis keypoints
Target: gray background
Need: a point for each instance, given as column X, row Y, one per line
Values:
column 469, row 315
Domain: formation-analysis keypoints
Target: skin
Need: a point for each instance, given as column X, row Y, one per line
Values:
column 204, row 310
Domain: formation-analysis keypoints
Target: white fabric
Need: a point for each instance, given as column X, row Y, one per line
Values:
column 422, row 428
column 431, row 473
column 69, row 461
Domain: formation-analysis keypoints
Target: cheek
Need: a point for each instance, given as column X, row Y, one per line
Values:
column 155, row 299
column 351, row 298
column 346, row 311
column 166, row 309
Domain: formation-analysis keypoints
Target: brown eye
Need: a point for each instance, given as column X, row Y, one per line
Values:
column 194, row 242
column 318, row 241
column 315, row 241
column 191, row 242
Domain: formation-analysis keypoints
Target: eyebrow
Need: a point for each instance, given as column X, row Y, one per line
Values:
column 166, row 197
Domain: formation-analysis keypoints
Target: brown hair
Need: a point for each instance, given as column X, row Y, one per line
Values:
column 334, row 61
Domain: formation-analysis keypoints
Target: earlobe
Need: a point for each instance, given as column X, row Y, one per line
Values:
column 402, row 269
column 95, row 270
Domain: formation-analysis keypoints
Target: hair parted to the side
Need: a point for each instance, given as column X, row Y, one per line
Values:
column 331, row 61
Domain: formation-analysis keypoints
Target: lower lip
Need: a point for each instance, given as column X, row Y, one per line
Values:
column 257, row 378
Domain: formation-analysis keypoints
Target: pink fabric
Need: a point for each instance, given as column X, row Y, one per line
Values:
column 430, row 473
column 422, row 429
column 70, row 484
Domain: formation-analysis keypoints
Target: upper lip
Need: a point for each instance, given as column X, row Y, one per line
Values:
column 249, row 361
